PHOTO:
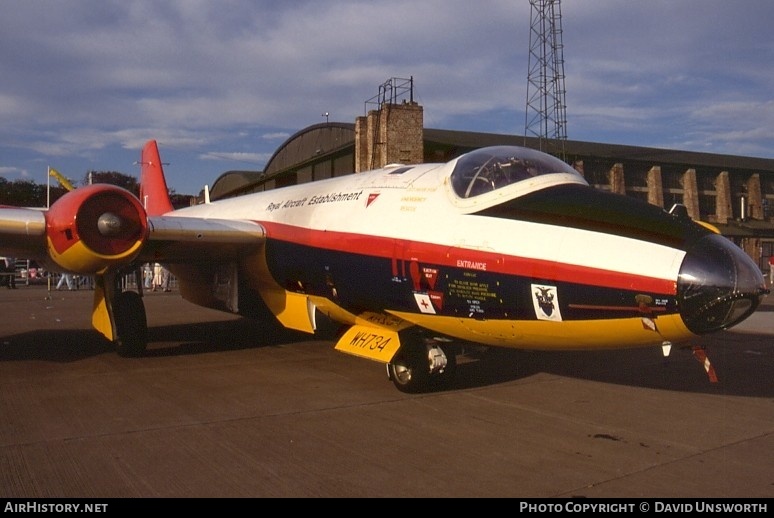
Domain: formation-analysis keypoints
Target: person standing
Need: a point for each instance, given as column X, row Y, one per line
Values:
column 147, row 276
column 66, row 278
column 771, row 270
column 9, row 268
column 156, row 276
column 165, row 279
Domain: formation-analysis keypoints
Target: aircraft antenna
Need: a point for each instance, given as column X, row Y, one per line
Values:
column 546, row 113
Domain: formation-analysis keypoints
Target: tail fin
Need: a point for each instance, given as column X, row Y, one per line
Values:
column 154, row 194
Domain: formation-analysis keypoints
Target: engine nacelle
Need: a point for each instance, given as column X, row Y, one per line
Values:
column 94, row 227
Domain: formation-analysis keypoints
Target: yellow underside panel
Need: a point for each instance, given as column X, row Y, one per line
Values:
column 293, row 310
column 100, row 315
column 373, row 336
column 333, row 311
column 375, row 343
column 564, row 335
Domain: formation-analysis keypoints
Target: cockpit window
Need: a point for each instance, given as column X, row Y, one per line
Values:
column 490, row 168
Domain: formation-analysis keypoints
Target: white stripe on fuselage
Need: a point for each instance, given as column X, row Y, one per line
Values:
column 418, row 205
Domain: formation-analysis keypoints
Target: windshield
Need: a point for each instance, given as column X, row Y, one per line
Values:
column 490, row 168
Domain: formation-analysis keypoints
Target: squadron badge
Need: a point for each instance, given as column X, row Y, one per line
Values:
column 546, row 302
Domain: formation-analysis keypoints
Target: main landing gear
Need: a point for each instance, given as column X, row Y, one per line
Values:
column 120, row 315
column 422, row 365
column 131, row 324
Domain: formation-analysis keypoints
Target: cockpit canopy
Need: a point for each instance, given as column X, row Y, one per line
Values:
column 487, row 169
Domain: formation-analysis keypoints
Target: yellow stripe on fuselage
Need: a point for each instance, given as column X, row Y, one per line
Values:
column 549, row 335
column 375, row 336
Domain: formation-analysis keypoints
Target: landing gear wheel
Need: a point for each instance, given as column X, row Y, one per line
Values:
column 410, row 370
column 442, row 379
column 131, row 324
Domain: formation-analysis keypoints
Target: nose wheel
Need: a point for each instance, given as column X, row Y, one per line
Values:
column 419, row 367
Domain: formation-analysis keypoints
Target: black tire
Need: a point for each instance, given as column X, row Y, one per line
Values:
column 131, row 324
column 410, row 370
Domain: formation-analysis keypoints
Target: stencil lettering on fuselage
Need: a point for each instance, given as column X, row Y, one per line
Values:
column 546, row 302
column 479, row 296
column 333, row 197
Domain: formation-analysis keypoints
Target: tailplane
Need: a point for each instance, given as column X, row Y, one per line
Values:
column 154, row 193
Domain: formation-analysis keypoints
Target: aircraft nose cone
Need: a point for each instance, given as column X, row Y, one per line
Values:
column 718, row 285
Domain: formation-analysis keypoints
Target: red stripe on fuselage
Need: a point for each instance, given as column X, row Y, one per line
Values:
column 445, row 255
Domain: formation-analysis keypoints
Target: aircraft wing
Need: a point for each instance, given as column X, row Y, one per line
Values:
column 22, row 232
column 173, row 239
column 28, row 233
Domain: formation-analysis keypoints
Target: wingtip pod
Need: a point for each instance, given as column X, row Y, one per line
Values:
column 154, row 193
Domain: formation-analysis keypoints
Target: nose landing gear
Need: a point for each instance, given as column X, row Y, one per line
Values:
column 421, row 366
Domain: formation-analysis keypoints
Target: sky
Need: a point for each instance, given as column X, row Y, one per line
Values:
column 221, row 84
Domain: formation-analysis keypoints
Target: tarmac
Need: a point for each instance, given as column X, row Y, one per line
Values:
column 221, row 407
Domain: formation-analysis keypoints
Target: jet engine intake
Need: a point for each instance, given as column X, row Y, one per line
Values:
column 92, row 228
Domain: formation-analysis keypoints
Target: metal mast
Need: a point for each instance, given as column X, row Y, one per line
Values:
column 546, row 114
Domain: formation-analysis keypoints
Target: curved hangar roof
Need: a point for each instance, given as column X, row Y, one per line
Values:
column 327, row 149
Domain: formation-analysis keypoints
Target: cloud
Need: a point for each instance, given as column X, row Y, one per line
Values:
column 88, row 82
column 277, row 135
column 12, row 173
column 246, row 158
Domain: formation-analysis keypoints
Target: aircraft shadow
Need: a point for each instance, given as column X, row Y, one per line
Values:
column 744, row 362
column 174, row 340
column 68, row 345
column 54, row 345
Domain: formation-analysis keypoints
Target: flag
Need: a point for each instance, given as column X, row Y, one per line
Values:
column 64, row 182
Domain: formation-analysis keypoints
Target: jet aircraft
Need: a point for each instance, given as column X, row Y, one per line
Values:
column 502, row 247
